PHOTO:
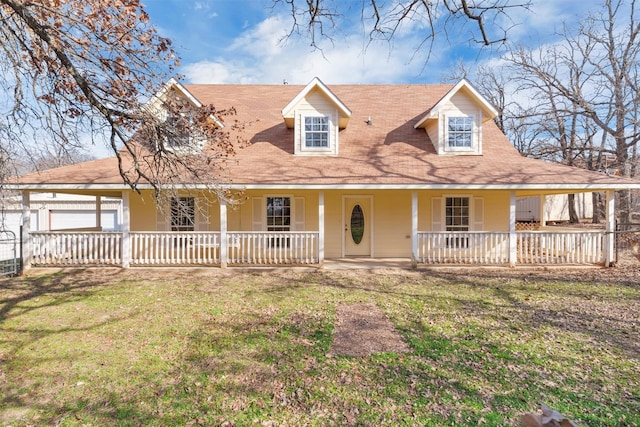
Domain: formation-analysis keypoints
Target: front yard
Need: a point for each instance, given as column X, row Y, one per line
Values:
column 215, row 347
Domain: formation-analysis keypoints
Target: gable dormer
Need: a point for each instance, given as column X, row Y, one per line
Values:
column 454, row 124
column 181, row 135
column 316, row 116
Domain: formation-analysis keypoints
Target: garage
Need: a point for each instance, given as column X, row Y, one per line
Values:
column 65, row 219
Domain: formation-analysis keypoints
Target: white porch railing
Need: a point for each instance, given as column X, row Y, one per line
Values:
column 76, row 248
column 560, row 247
column 458, row 247
column 492, row 248
column 270, row 247
column 276, row 248
column 175, row 248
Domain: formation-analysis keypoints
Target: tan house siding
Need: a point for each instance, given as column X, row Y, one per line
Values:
column 392, row 233
column 142, row 209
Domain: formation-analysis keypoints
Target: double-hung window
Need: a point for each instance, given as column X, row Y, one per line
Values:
column 183, row 135
column 457, row 219
column 316, row 132
column 279, row 219
column 457, row 213
column 183, row 214
column 278, row 213
column 460, row 132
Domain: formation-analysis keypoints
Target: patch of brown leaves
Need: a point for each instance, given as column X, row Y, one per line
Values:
column 363, row 329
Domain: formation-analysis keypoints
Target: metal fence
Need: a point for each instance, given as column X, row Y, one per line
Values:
column 627, row 238
column 9, row 257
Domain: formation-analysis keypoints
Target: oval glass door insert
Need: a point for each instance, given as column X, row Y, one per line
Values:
column 357, row 224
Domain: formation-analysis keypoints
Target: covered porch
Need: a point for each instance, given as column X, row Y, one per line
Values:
column 308, row 247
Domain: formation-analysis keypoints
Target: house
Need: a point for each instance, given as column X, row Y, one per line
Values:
column 417, row 172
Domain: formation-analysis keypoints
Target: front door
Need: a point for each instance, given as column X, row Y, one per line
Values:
column 357, row 226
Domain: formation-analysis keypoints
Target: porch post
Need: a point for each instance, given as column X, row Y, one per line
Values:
column 543, row 202
column 414, row 229
column 609, row 237
column 513, row 238
column 224, row 239
column 321, row 228
column 126, row 231
column 26, row 230
column 99, row 212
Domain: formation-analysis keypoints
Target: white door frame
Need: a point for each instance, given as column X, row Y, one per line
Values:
column 344, row 221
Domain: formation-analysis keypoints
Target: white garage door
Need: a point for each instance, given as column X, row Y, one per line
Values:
column 12, row 220
column 64, row 219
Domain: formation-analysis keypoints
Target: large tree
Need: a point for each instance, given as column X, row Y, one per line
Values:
column 590, row 79
column 87, row 71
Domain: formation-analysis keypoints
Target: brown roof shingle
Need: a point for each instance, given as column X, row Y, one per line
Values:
column 390, row 151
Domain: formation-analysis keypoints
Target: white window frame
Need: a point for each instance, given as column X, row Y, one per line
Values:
column 469, row 226
column 266, row 210
column 185, row 214
column 304, row 131
column 471, row 132
column 190, row 142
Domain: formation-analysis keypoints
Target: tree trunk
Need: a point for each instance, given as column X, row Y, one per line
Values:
column 573, row 213
column 595, row 200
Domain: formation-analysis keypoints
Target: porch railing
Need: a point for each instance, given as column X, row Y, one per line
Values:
column 457, row 247
column 560, row 247
column 76, row 248
column 302, row 248
column 175, row 248
column 492, row 248
column 269, row 247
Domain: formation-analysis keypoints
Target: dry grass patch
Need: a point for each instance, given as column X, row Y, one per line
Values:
column 362, row 330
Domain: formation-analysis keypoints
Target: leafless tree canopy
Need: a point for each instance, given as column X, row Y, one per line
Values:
column 579, row 96
column 322, row 19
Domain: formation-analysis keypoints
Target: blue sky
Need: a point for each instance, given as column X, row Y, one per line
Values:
column 236, row 41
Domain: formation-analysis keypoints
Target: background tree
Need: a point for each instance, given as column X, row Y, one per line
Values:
column 592, row 76
column 87, row 70
column 575, row 101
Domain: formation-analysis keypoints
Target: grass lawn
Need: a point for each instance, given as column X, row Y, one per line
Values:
column 212, row 347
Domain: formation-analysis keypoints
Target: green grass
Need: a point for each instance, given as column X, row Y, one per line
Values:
column 209, row 347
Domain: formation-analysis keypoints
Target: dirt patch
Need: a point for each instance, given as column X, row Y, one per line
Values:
column 363, row 329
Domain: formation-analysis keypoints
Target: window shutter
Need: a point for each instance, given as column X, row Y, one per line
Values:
column 202, row 214
column 257, row 214
column 436, row 214
column 163, row 216
column 478, row 214
column 298, row 220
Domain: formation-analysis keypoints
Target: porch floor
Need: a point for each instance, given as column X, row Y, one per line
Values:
column 366, row 263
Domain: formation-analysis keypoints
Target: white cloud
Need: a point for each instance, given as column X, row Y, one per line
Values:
column 263, row 55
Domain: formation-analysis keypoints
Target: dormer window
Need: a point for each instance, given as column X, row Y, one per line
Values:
column 182, row 135
column 316, row 115
column 460, row 132
column 316, row 132
column 454, row 124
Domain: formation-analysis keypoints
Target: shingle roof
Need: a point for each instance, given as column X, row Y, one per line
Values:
column 390, row 151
